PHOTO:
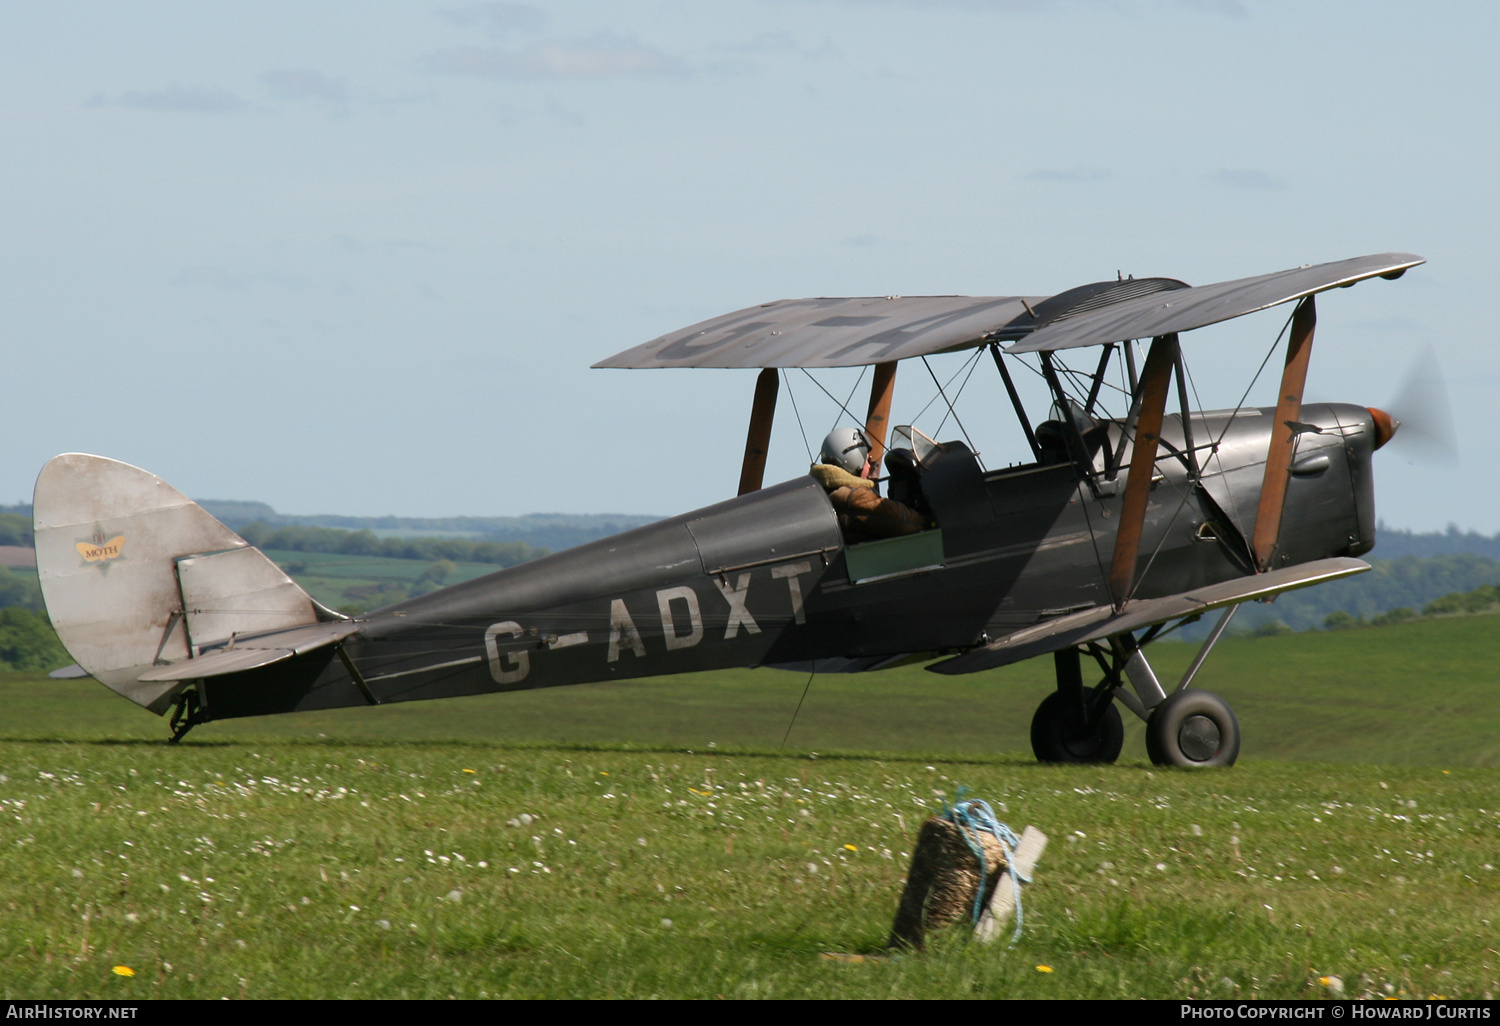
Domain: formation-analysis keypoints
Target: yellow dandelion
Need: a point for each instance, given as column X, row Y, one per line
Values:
column 604, row 773
column 471, row 771
column 1044, row 968
column 850, row 847
column 123, row 970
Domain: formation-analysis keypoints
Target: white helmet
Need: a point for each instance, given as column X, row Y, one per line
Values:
column 847, row 448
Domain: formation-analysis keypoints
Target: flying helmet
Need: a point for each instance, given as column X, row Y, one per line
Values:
column 847, row 448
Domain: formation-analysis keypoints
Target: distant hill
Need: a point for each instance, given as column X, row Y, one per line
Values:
column 1393, row 543
column 540, row 530
column 564, row 530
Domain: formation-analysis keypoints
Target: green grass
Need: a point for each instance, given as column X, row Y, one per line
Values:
column 1306, row 860
column 1421, row 693
column 316, row 870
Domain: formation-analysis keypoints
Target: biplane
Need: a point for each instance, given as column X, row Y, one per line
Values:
column 1112, row 531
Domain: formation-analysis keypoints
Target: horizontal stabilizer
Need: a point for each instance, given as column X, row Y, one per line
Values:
column 249, row 653
column 73, row 672
column 1101, row 621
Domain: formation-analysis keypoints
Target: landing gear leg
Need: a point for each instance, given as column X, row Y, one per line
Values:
column 187, row 713
column 1075, row 724
column 1189, row 727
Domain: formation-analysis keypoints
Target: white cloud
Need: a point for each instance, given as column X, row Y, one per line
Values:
column 1072, row 175
column 1247, row 178
column 234, row 281
column 182, row 99
column 597, row 57
column 1227, row 8
column 304, row 84
column 498, row 18
column 1024, row 6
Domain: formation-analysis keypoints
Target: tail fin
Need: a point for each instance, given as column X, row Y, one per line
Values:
column 136, row 575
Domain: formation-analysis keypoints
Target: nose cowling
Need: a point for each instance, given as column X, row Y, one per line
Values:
column 1385, row 426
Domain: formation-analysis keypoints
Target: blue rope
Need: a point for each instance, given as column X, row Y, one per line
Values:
column 973, row 816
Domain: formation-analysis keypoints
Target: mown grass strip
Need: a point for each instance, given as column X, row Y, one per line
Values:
column 430, row 870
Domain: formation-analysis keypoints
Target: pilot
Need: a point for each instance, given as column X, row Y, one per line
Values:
column 848, row 471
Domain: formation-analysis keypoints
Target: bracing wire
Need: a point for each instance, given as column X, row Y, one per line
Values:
column 841, row 405
column 973, row 366
column 850, row 398
column 1269, row 353
column 1227, row 424
column 951, row 379
column 805, row 689
column 951, row 410
column 788, row 379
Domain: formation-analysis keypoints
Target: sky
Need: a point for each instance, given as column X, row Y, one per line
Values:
column 357, row 258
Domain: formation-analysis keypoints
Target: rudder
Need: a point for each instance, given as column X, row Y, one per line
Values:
column 135, row 575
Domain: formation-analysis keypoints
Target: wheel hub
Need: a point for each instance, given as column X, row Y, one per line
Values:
column 1199, row 738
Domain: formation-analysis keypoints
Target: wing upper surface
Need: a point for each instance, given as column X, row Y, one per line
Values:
column 831, row 332
column 1198, row 307
column 853, row 332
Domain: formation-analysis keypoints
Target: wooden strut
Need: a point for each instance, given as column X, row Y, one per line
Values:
column 1283, row 435
column 758, row 439
column 881, row 389
column 1155, row 379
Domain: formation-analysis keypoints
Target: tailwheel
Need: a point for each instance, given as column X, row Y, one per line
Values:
column 1059, row 733
column 1193, row 728
column 187, row 713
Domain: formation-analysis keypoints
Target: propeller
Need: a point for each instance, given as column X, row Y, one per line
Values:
column 1422, row 413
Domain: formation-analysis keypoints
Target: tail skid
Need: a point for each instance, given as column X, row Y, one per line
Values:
column 138, row 577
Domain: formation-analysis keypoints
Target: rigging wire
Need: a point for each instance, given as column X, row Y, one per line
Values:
column 789, row 394
column 805, row 689
column 951, row 410
column 954, row 377
column 850, row 398
column 1228, row 423
column 844, row 405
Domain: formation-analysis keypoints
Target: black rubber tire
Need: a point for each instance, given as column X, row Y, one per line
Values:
column 1053, row 741
column 1193, row 728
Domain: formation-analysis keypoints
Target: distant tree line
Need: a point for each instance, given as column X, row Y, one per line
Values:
column 1393, row 589
column 1483, row 599
column 301, row 538
column 27, row 641
column 553, row 531
column 15, row 529
column 1393, row 543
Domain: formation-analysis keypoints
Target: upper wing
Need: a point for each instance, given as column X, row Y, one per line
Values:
column 1101, row 621
column 875, row 329
column 831, row 332
column 1190, row 308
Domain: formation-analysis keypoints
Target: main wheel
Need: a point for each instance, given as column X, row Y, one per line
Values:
column 1056, row 736
column 1193, row 728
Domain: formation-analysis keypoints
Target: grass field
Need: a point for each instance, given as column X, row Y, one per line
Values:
column 676, row 852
